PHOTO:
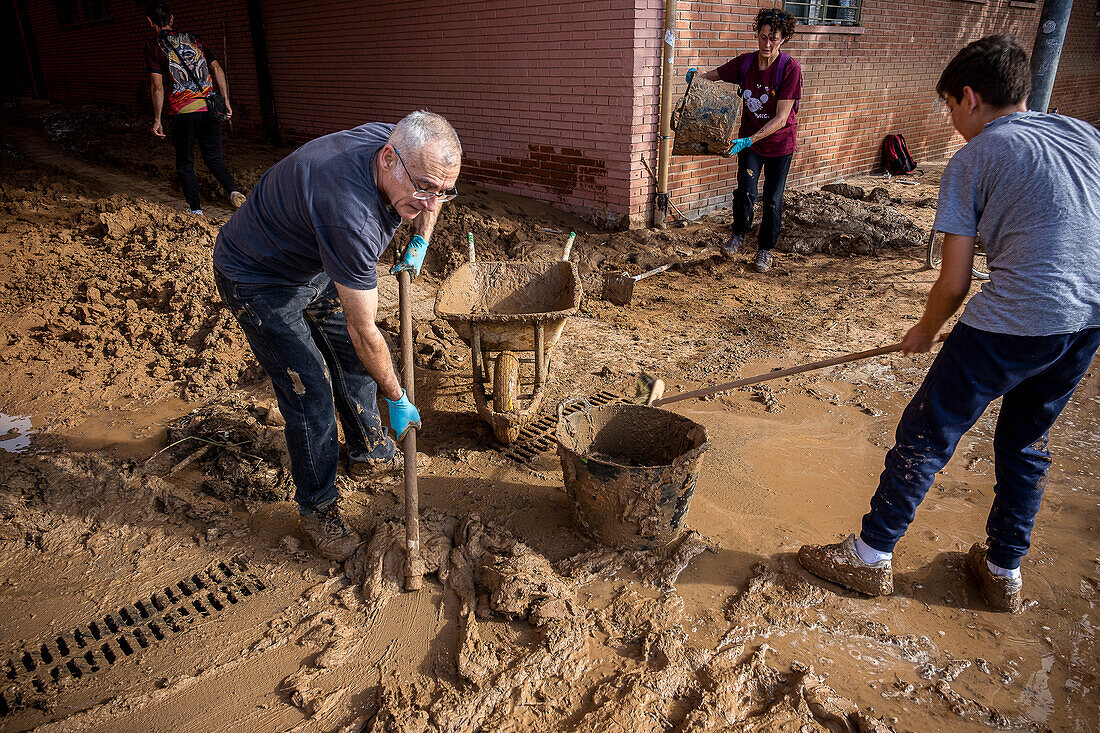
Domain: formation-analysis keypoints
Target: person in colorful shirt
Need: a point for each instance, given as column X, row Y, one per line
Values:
column 771, row 85
column 182, row 64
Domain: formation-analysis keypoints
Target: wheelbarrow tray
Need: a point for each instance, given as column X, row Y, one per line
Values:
column 505, row 299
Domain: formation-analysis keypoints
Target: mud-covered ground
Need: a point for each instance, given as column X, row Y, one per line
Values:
column 151, row 577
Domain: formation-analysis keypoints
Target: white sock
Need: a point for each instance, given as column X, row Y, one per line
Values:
column 1014, row 573
column 869, row 554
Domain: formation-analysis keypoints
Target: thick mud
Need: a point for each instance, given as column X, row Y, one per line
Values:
column 152, row 451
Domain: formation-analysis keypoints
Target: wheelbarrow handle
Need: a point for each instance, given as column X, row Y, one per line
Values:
column 470, row 246
column 568, row 247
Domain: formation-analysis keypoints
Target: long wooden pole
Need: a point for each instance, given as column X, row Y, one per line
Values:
column 414, row 568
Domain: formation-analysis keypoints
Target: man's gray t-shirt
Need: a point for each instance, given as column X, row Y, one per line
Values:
column 1030, row 183
column 316, row 210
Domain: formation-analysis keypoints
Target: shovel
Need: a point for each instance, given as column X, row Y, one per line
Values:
column 618, row 287
column 414, row 568
column 650, row 390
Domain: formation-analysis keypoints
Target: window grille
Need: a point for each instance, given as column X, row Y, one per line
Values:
column 67, row 13
column 95, row 10
column 825, row 12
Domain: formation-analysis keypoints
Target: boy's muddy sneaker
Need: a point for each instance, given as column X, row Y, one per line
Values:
column 729, row 249
column 763, row 261
column 841, row 564
column 237, row 199
column 1000, row 591
column 325, row 528
column 360, row 470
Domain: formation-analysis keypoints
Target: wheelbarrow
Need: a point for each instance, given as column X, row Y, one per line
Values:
column 503, row 309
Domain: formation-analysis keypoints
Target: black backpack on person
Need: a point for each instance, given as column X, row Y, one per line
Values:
column 896, row 156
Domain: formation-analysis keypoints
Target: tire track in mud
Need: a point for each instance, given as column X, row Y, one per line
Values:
column 39, row 148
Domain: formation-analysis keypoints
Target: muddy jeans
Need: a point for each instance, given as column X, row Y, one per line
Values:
column 300, row 337
column 1035, row 377
column 201, row 127
column 749, row 164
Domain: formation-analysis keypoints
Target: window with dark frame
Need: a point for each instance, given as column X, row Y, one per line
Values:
column 95, row 10
column 825, row 12
column 67, row 12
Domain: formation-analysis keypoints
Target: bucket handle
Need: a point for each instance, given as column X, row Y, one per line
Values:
column 570, row 401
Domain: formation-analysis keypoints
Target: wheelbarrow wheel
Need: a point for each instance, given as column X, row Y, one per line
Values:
column 506, row 395
column 506, row 383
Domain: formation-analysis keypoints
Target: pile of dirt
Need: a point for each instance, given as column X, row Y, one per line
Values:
column 111, row 296
column 238, row 445
column 820, row 221
column 565, row 677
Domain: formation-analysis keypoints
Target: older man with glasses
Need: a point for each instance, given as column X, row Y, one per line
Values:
column 297, row 266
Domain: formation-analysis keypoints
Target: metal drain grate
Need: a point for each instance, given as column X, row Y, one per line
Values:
column 60, row 660
column 538, row 437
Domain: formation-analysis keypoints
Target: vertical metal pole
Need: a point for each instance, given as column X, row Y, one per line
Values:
column 414, row 568
column 1049, row 37
column 664, row 151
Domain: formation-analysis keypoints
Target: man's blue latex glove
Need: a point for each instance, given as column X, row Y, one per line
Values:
column 414, row 257
column 691, row 74
column 739, row 144
column 403, row 415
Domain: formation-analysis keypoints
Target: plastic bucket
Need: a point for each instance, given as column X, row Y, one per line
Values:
column 630, row 472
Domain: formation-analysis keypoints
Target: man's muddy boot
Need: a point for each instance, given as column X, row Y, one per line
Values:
column 729, row 249
column 841, row 564
column 395, row 464
column 763, row 261
column 331, row 537
column 1000, row 591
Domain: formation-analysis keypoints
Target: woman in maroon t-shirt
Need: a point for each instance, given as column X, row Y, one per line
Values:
column 771, row 85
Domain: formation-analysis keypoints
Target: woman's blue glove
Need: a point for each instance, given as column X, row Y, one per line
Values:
column 414, row 257
column 403, row 415
column 739, row 144
column 691, row 74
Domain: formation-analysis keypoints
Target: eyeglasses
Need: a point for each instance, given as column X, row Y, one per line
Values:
column 424, row 194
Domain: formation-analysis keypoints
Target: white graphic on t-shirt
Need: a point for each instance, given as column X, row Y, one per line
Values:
column 756, row 106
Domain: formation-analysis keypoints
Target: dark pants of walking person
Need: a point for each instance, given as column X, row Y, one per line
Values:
column 749, row 164
column 1035, row 377
column 300, row 337
column 187, row 129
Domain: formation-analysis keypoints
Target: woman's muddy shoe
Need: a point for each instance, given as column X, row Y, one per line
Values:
column 1000, row 591
column 361, row 470
column 328, row 533
column 841, row 564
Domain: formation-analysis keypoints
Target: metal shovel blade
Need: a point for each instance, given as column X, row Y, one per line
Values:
column 618, row 287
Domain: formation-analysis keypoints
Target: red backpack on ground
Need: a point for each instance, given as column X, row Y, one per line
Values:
column 896, row 156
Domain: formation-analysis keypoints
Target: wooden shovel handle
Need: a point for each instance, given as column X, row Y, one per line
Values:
column 414, row 568
column 785, row 373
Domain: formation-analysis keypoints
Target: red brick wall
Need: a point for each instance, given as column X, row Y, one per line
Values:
column 101, row 62
column 859, row 87
column 559, row 100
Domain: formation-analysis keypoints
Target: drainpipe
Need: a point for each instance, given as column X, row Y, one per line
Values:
column 1049, row 37
column 664, row 152
column 263, row 72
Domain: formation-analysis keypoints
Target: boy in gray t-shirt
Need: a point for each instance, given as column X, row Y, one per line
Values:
column 1029, row 182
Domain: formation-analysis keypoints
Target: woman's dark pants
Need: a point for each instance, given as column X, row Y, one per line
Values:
column 1034, row 376
column 300, row 337
column 749, row 164
column 186, row 130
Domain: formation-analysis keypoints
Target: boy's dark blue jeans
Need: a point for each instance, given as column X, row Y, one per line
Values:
column 749, row 163
column 300, row 337
column 1034, row 376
